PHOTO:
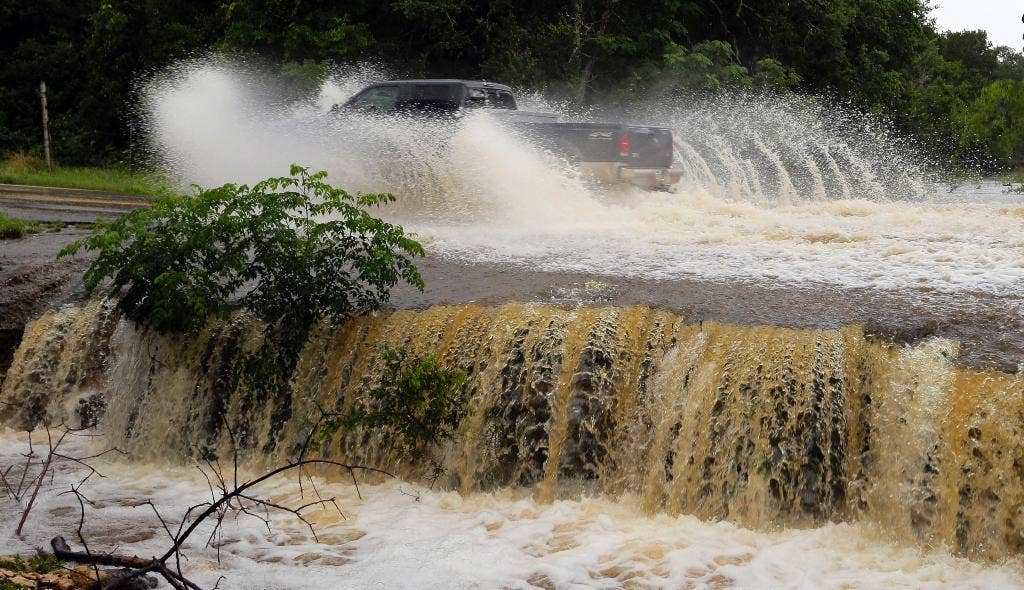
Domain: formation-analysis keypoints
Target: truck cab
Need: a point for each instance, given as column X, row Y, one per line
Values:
column 432, row 97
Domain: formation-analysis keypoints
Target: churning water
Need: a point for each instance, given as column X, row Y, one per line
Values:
column 778, row 190
column 404, row 536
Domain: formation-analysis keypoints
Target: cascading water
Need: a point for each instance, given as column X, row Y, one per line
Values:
column 760, row 426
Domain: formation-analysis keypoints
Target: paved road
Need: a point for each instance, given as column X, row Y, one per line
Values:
column 40, row 203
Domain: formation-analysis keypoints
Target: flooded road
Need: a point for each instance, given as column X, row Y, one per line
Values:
column 990, row 327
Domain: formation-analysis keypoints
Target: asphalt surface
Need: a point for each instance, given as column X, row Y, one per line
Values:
column 72, row 206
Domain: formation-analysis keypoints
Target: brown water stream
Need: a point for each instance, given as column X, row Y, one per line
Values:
column 762, row 426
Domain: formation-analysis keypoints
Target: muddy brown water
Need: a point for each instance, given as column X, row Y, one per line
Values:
column 762, row 405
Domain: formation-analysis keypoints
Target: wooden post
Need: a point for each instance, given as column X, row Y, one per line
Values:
column 46, row 126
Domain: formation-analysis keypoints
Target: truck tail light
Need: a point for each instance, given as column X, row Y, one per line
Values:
column 624, row 145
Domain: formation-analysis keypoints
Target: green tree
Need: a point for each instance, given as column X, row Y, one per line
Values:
column 885, row 56
column 996, row 120
column 295, row 31
column 972, row 50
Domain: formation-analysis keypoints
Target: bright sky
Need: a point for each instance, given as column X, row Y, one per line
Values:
column 1001, row 18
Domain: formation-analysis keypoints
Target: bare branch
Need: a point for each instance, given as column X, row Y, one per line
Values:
column 228, row 495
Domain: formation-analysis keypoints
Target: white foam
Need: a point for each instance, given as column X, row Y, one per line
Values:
column 856, row 243
column 403, row 536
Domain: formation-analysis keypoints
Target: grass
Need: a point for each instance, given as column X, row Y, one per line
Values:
column 12, row 228
column 37, row 564
column 113, row 180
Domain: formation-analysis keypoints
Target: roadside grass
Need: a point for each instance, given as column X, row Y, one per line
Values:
column 22, row 168
column 114, row 180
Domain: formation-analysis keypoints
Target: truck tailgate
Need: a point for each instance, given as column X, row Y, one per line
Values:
column 606, row 142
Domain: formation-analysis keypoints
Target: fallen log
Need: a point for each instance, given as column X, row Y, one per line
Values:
column 132, row 577
column 63, row 551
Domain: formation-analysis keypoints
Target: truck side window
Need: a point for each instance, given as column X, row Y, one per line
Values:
column 489, row 97
column 501, row 99
column 475, row 98
column 430, row 98
column 379, row 98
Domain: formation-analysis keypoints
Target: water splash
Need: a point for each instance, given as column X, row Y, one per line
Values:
column 778, row 190
column 791, row 149
column 214, row 121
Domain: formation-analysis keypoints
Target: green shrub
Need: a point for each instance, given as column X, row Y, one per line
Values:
column 21, row 162
column 420, row 400
column 290, row 249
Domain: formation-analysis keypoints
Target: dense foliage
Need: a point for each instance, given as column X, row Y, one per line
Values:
column 293, row 250
column 884, row 55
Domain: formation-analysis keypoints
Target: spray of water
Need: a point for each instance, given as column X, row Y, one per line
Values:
column 791, row 149
column 787, row 190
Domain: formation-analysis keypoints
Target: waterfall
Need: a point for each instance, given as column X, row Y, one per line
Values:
column 762, row 426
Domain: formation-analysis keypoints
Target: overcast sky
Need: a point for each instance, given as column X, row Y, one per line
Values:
column 1001, row 18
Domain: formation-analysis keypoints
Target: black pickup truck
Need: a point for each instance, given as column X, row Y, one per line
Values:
column 611, row 152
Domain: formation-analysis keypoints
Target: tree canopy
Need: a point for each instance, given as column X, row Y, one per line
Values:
column 885, row 56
